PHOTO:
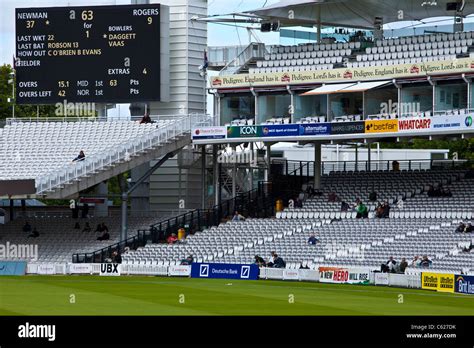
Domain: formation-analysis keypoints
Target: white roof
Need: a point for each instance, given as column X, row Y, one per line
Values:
column 365, row 86
column 328, row 89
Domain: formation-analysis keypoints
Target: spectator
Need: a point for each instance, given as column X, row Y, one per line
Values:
column 403, row 265
column 80, row 157
column 237, row 217
column 385, row 210
column 447, row 192
column 35, row 233
column 344, row 206
column 116, row 257
column 461, row 227
column 332, row 197
column 27, row 227
column 77, row 226
column 416, row 262
column 259, row 261
column 270, row 260
column 87, row 228
column 379, row 211
column 101, row 228
column 146, row 118
column 468, row 249
column 312, row 240
column 104, row 236
column 85, row 211
column 362, row 211
column 278, row 262
column 298, row 202
column 425, row 262
column 391, row 264
column 187, row 261
column 469, row 228
column 172, row 238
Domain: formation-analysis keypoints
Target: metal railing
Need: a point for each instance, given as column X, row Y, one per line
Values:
column 254, row 50
column 120, row 153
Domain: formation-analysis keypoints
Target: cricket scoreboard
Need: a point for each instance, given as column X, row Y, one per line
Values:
column 108, row 54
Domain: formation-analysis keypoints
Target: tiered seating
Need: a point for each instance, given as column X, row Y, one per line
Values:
column 403, row 50
column 32, row 149
column 58, row 239
column 344, row 240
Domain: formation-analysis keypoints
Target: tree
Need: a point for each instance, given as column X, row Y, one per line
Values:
column 20, row 110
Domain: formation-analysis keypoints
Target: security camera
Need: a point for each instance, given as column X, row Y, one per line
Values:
column 201, row 67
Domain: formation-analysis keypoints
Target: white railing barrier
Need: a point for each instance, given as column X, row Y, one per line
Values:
column 115, row 154
column 398, row 280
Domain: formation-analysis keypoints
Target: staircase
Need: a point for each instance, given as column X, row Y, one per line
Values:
column 247, row 58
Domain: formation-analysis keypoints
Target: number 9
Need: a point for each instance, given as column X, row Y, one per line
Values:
column 150, row 20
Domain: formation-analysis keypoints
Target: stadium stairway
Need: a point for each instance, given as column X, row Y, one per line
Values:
column 43, row 151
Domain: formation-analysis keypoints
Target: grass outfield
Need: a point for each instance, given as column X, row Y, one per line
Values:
column 94, row 295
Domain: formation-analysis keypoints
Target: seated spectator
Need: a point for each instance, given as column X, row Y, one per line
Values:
column 80, row 157
column 362, row 211
column 313, row 240
column 344, row 206
column 298, row 203
column 310, row 191
column 146, row 118
column 87, row 228
column 35, row 233
column 101, row 228
column 379, row 211
column 416, row 262
column 237, row 217
column 104, row 236
column 469, row 228
column 77, row 226
column 278, row 262
column 425, row 262
column 461, row 227
column 270, row 260
column 172, row 239
column 259, row 261
column 431, row 191
column 27, row 227
column 447, row 192
column 385, row 210
column 468, row 249
column 391, row 265
column 116, row 257
column 187, row 261
column 402, row 266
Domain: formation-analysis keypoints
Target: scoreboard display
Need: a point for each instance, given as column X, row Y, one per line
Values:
column 103, row 54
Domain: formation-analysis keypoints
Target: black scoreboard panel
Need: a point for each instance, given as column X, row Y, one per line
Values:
column 88, row 54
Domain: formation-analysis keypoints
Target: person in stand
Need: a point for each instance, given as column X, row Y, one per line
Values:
column 27, row 227
column 146, row 118
column 104, row 236
column 77, row 226
column 312, row 240
column 402, row 266
column 416, row 262
column 391, row 264
column 172, row 238
column 35, row 233
column 116, row 257
column 237, row 217
column 278, row 262
column 469, row 228
column 362, row 211
column 80, row 157
column 87, row 228
column 101, row 228
column 461, row 227
column 259, row 261
column 187, row 261
column 270, row 261
column 425, row 262
column 85, row 211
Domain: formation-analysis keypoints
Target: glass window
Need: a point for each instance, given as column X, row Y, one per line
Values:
column 311, row 105
column 343, row 104
column 416, row 98
column 237, row 106
column 381, row 101
column 451, row 95
column 273, row 106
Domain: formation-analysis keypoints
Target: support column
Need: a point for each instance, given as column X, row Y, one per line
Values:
column 203, row 177
column 317, row 165
column 369, row 160
column 356, row 158
column 268, row 162
column 216, row 175
column 140, row 198
column 12, row 206
column 124, row 230
column 102, row 190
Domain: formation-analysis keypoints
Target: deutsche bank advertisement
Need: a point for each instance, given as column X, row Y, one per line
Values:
column 226, row 271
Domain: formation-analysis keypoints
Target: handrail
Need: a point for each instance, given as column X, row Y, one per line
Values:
column 247, row 54
column 120, row 152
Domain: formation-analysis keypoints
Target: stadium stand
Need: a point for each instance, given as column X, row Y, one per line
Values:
column 58, row 239
column 403, row 50
column 343, row 240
